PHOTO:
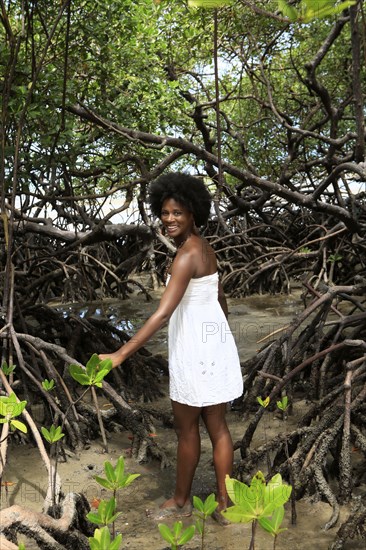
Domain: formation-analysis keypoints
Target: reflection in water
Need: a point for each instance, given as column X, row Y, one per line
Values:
column 113, row 313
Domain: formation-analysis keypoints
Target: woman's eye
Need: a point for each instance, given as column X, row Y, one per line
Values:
column 175, row 213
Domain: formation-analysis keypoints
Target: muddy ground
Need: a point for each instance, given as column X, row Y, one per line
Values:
column 25, row 477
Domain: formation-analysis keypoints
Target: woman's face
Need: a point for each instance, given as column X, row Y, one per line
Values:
column 177, row 219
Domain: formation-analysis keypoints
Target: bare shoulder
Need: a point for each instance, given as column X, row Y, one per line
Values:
column 203, row 255
column 197, row 245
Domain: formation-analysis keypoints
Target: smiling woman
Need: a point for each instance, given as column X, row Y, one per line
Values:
column 204, row 366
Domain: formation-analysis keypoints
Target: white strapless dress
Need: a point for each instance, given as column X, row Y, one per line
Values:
column 204, row 367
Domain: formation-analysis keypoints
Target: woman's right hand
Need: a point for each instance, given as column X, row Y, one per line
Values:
column 114, row 357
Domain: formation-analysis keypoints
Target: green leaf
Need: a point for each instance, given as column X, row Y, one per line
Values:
column 103, row 482
column 10, row 406
column 105, row 538
column 7, row 369
column 48, row 384
column 230, row 488
column 102, row 512
column 287, row 10
column 120, row 469
column 115, row 544
column 238, row 514
column 276, row 493
column 264, row 403
column 110, row 508
column 94, row 518
column 129, row 479
column 109, row 472
column 317, row 9
column 199, row 526
column 282, row 405
column 106, row 513
column 187, row 534
column 272, row 524
column 211, row 499
column 208, row 4
column 112, row 519
column 92, row 365
column 106, row 365
column 79, row 375
column 3, row 408
column 99, row 377
column 18, row 425
column 166, row 533
column 177, row 528
column 198, row 504
column 18, row 408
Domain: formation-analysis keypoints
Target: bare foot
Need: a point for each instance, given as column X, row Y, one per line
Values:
column 171, row 502
column 170, row 509
column 219, row 518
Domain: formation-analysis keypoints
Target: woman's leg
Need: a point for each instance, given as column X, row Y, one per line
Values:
column 186, row 424
column 222, row 446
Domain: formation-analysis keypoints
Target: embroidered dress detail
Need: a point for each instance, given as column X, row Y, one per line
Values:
column 204, row 365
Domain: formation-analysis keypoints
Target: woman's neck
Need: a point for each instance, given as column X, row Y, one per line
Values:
column 180, row 241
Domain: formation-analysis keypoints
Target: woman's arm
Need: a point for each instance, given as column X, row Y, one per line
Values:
column 183, row 269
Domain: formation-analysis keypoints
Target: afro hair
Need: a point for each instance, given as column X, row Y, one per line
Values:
column 185, row 189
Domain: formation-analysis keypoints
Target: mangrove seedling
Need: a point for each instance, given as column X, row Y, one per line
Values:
column 115, row 479
column 7, row 369
column 10, row 409
column 264, row 403
column 106, row 513
column 48, row 385
column 202, row 511
column 92, row 376
column 102, row 540
column 94, row 372
column 273, row 524
column 174, row 536
column 257, row 501
column 53, row 436
column 283, row 405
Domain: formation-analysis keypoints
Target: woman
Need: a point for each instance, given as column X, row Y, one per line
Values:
column 204, row 367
